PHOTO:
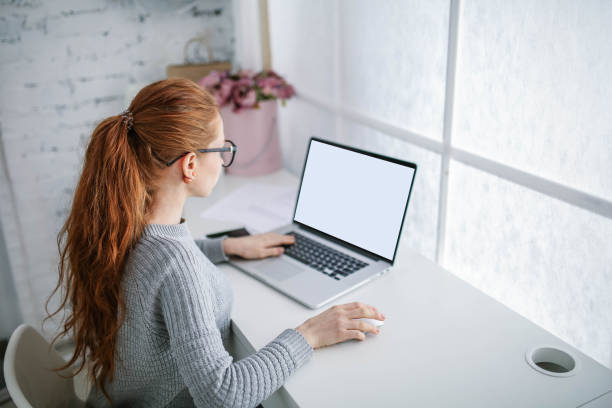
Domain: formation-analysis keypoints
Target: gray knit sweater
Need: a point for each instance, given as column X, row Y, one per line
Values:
column 172, row 348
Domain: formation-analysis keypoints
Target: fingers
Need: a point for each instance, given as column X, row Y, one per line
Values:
column 355, row 334
column 360, row 325
column 266, row 252
column 269, row 244
column 341, row 323
column 358, row 310
column 273, row 239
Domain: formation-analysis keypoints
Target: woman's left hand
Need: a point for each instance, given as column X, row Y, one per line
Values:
column 257, row 246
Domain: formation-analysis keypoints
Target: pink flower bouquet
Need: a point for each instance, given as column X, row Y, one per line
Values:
column 244, row 90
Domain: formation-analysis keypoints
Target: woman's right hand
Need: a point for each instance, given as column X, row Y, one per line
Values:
column 338, row 324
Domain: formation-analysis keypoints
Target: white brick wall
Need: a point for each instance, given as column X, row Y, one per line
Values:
column 65, row 65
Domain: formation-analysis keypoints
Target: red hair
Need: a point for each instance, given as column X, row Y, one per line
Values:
column 111, row 203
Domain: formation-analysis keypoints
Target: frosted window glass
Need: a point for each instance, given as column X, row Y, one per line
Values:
column 533, row 88
column 543, row 258
column 420, row 227
column 301, row 44
column 298, row 121
column 393, row 57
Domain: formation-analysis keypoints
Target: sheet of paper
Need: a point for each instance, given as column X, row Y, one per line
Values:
column 260, row 207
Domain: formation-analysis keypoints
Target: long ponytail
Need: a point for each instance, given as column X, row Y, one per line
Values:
column 111, row 203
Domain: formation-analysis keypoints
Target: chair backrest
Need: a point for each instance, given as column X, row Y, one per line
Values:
column 30, row 380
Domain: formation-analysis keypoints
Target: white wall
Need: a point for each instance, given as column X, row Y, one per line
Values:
column 10, row 315
column 505, row 108
column 66, row 65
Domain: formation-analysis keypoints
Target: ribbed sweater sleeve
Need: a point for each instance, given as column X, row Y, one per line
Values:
column 213, row 249
column 208, row 370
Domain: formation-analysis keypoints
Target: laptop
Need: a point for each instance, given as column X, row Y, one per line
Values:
column 347, row 224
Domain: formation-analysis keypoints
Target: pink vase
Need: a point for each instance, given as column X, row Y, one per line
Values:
column 255, row 132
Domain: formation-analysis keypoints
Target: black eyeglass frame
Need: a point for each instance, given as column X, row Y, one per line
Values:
column 233, row 149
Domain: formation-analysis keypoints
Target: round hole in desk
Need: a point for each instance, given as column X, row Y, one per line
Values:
column 553, row 361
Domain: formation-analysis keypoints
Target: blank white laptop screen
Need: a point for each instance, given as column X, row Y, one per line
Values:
column 354, row 197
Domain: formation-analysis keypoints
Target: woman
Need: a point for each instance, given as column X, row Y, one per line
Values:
column 149, row 311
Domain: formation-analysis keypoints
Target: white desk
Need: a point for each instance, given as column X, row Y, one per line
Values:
column 444, row 343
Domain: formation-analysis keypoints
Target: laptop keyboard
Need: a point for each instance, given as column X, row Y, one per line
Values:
column 326, row 260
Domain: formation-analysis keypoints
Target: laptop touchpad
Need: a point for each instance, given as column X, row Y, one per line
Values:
column 278, row 269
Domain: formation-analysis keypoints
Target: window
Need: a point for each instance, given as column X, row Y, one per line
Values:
column 505, row 108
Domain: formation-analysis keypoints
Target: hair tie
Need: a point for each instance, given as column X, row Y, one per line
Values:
column 126, row 116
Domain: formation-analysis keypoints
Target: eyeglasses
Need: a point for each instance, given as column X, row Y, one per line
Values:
column 228, row 152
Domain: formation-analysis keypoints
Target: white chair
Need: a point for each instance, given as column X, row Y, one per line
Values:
column 29, row 378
